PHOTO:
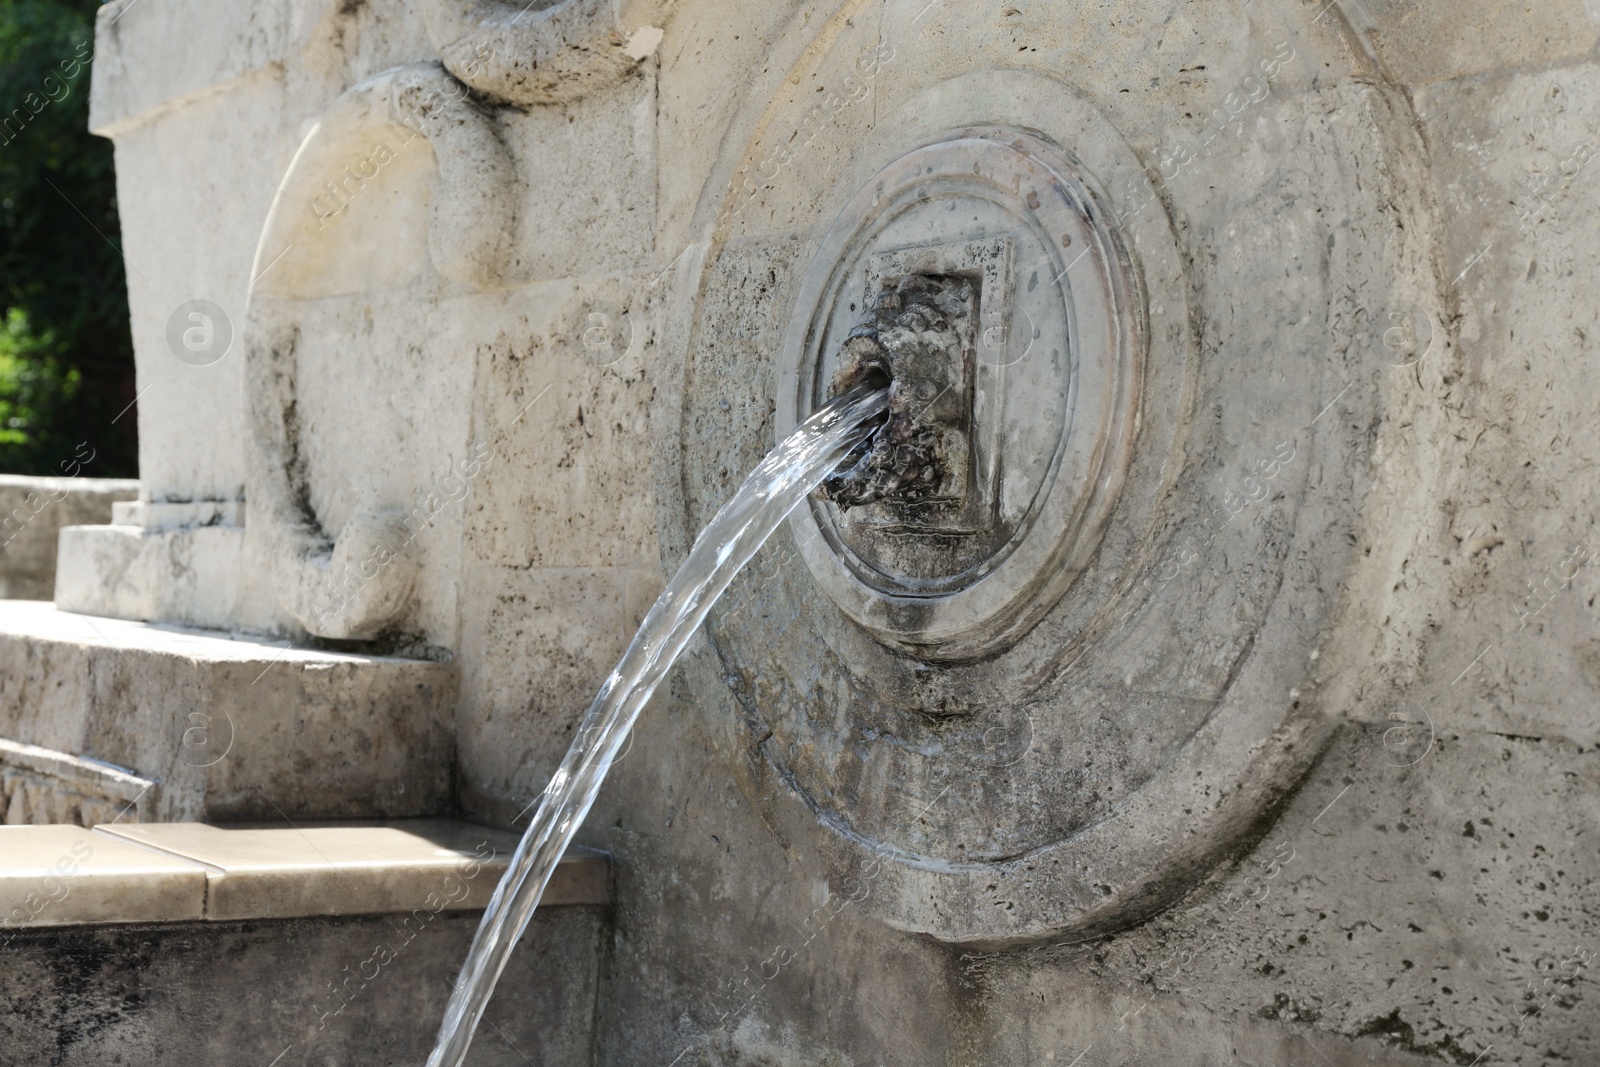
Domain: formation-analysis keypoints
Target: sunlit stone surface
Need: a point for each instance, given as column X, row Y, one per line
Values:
column 1295, row 761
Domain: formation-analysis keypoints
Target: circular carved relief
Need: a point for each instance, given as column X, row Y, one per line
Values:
column 1070, row 753
column 1036, row 405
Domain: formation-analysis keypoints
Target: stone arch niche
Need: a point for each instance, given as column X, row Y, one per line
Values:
column 402, row 198
column 1071, row 754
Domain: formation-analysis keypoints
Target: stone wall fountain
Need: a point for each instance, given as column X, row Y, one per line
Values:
column 1196, row 667
column 1067, row 734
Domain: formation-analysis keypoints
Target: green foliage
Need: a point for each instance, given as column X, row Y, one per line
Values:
column 33, row 385
column 66, row 357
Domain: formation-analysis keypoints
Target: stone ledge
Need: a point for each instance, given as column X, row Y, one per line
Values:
column 187, row 575
column 232, row 727
column 177, row 872
column 66, row 875
column 162, row 516
column 42, row 786
column 141, row 64
column 33, row 510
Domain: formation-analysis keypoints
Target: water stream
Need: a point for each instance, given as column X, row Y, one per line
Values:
column 783, row 479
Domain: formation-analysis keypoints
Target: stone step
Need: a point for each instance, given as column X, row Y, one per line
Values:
column 33, row 512
column 42, row 787
column 286, row 945
column 194, row 575
column 219, row 726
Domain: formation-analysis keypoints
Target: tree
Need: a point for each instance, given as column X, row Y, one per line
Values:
column 66, row 354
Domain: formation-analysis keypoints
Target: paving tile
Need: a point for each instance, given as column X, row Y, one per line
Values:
column 60, row 875
column 313, row 869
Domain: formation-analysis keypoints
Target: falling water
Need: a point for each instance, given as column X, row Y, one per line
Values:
column 789, row 472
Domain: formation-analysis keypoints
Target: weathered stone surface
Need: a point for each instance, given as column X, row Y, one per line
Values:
column 63, row 875
column 317, row 869
column 563, row 395
column 554, row 55
column 1422, row 43
column 33, row 510
column 341, row 552
column 190, row 234
column 1375, row 228
column 552, row 631
column 202, row 576
column 231, row 727
column 1370, row 664
column 323, row 992
column 43, row 787
column 1154, row 711
column 141, row 66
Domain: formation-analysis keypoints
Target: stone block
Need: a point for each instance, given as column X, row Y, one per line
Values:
column 32, row 510
column 563, row 399
column 201, row 576
column 65, row 875
column 231, row 727
column 592, row 165
column 39, row 786
column 303, row 992
column 1422, row 43
column 541, row 641
column 318, row 869
column 141, row 64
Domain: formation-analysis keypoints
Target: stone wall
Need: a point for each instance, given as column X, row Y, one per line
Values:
column 313, row 991
column 1358, row 229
